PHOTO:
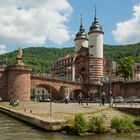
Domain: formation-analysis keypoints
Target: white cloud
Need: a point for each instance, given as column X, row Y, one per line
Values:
column 32, row 22
column 2, row 48
column 129, row 31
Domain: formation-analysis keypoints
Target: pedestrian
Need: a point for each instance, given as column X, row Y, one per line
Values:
column 87, row 98
column 111, row 99
column 40, row 98
column 103, row 98
column 80, row 99
column 66, row 99
column 35, row 99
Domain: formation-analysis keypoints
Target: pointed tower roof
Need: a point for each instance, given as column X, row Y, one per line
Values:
column 95, row 27
column 81, row 33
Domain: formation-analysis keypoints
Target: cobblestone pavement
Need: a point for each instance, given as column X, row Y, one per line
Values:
column 57, row 110
column 62, row 108
column 61, row 111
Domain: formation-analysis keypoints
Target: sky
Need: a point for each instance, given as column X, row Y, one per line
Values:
column 54, row 23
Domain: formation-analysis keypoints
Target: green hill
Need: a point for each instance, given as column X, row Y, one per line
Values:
column 117, row 52
column 41, row 58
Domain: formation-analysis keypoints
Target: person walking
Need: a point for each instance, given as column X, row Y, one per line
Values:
column 80, row 99
column 66, row 99
column 111, row 99
column 87, row 98
column 103, row 98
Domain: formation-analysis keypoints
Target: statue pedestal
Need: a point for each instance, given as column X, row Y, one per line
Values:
column 19, row 82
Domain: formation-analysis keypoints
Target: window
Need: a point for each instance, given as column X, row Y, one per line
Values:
column 83, row 69
column 70, row 60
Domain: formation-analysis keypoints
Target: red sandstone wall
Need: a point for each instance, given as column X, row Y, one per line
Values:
column 116, row 89
column 19, row 84
column 3, row 84
column 124, row 89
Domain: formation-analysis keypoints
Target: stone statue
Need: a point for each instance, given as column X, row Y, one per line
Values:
column 19, row 53
column 19, row 56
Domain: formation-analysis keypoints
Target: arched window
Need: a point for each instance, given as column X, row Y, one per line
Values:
column 83, row 69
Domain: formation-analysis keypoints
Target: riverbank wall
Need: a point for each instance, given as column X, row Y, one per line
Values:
column 129, row 110
column 47, row 124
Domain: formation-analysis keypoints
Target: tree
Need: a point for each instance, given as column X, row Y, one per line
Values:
column 125, row 67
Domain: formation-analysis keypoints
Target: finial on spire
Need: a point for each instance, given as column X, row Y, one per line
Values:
column 81, row 26
column 95, row 17
column 81, row 19
column 95, row 10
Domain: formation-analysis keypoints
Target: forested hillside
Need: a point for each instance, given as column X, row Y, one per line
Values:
column 41, row 58
column 117, row 52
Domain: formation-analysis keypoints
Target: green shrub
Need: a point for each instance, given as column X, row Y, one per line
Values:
column 70, row 122
column 137, row 121
column 80, row 124
column 96, row 124
column 68, row 127
column 122, row 124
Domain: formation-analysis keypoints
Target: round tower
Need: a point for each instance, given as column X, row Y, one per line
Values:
column 19, row 80
column 81, row 39
column 95, row 52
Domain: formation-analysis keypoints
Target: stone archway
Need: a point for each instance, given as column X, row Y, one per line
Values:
column 45, row 91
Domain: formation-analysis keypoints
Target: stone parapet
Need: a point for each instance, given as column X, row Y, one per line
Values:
column 19, row 67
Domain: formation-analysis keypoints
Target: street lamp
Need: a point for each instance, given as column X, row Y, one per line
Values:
column 50, row 102
column 110, row 85
column 106, row 80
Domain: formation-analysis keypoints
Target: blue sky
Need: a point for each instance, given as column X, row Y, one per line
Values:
column 54, row 23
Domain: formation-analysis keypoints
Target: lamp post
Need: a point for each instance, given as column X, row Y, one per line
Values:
column 106, row 80
column 100, row 89
column 110, row 84
column 50, row 102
